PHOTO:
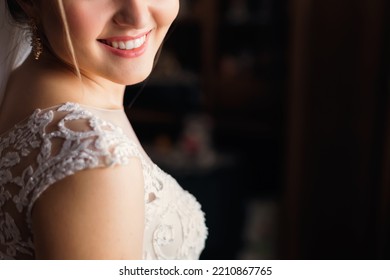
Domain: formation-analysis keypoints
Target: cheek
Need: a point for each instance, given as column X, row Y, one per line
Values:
column 84, row 22
column 165, row 11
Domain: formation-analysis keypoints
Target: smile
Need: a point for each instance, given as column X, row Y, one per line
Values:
column 125, row 44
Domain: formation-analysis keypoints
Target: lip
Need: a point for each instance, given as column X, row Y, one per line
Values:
column 125, row 38
column 126, row 53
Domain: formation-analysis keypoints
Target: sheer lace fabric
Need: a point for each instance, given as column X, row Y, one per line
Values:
column 60, row 141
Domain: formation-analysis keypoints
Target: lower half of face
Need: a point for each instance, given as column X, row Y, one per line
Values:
column 114, row 40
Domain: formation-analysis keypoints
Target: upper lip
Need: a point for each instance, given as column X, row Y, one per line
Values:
column 125, row 38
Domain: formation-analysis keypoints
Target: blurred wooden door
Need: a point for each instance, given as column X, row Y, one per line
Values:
column 336, row 199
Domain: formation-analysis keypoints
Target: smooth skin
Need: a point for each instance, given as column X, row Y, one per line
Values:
column 94, row 214
column 98, row 213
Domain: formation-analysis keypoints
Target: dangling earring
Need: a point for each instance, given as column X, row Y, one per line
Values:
column 36, row 42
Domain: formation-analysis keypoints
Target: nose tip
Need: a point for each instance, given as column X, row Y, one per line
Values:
column 134, row 13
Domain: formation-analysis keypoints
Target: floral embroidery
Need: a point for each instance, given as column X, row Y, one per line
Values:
column 30, row 162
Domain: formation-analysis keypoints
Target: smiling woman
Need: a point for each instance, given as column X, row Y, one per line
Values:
column 75, row 183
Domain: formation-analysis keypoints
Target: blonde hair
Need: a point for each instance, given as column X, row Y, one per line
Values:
column 68, row 38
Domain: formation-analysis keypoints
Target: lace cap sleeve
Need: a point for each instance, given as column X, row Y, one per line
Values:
column 70, row 139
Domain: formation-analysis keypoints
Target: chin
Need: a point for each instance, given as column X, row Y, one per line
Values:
column 132, row 81
column 136, row 81
column 133, row 78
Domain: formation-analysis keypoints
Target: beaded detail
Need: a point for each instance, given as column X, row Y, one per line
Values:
column 60, row 141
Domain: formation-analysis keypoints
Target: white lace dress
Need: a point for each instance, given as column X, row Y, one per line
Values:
column 57, row 142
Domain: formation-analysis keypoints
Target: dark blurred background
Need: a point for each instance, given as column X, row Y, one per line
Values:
column 275, row 115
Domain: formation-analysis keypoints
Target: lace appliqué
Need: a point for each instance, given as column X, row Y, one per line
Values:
column 174, row 223
column 180, row 231
column 101, row 144
column 11, row 238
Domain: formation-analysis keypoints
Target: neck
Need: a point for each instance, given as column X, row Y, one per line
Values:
column 63, row 83
column 101, row 93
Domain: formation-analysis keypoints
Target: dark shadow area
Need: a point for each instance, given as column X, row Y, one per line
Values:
column 274, row 114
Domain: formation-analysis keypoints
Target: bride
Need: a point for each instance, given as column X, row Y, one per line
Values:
column 75, row 182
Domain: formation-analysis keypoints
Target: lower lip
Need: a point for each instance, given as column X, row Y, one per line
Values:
column 133, row 53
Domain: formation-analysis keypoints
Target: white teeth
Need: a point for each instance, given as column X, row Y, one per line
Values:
column 128, row 45
column 138, row 43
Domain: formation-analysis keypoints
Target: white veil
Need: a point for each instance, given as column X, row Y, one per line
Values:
column 14, row 46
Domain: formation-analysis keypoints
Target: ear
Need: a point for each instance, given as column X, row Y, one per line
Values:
column 29, row 7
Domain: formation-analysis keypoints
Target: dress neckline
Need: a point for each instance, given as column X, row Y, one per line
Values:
column 76, row 104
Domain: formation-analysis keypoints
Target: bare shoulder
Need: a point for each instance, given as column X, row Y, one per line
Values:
column 93, row 214
column 28, row 90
